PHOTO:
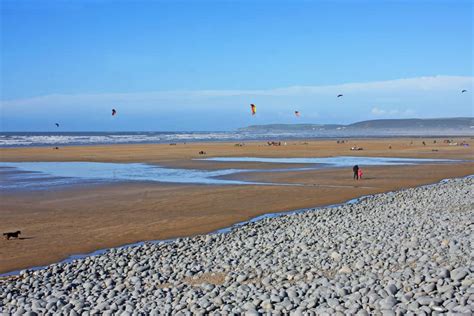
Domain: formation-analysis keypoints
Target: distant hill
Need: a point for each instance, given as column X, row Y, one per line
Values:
column 448, row 126
column 437, row 123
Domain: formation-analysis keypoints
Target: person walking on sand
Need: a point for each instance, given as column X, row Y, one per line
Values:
column 359, row 173
column 356, row 172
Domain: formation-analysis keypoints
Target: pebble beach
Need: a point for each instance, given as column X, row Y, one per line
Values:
column 407, row 252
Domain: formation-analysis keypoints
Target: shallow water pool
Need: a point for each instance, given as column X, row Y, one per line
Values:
column 34, row 175
column 43, row 175
column 339, row 161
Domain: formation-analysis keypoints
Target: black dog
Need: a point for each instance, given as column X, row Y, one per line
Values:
column 12, row 235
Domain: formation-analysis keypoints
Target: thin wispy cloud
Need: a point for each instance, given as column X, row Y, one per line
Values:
column 392, row 112
column 434, row 96
column 435, row 84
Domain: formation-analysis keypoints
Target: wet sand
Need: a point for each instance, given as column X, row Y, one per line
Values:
column 58, row 223
column 180, row 154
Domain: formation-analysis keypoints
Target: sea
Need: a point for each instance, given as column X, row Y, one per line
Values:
column 22, row 139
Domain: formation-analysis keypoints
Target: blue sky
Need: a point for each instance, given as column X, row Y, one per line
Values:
column 197, row 65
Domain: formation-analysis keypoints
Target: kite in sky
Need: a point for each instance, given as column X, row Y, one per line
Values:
column 57, row 124
column 253, row 108
column 463, row 91
column 114, row 112
column 297, row 113
column 340, row 95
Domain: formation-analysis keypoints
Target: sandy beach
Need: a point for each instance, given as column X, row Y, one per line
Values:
column 58, row 223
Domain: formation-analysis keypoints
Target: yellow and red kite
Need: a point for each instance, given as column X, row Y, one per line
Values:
column 253, row 107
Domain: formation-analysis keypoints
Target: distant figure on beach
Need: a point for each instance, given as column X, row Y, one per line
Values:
column 359, row 173
column 356, row 172
column 274, row 143
column 9, row 235
column 424, row 144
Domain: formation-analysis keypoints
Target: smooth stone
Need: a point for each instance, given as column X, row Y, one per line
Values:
column 391, row 289
column 336, row 256
column 458, row 274
column 388, row 302
column 424, row 300
column 345, row 269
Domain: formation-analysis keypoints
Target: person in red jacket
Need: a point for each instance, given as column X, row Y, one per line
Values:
column 356, row 172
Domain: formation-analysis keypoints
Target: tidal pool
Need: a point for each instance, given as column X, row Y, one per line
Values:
column 338, row 161
column 35, row 175
column 43, row 175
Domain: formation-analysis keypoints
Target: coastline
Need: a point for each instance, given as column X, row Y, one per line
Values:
column 61, row 222
column 130, row 213
column 56, row 138
column 360, row 257
column 223, row 230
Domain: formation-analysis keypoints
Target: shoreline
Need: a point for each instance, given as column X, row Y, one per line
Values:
column 361, row 258
column 223, row 230
column 61, row 222
column 281, row 138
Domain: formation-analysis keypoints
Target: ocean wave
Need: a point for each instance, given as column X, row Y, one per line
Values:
column 56, row 139
column 14, row 140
